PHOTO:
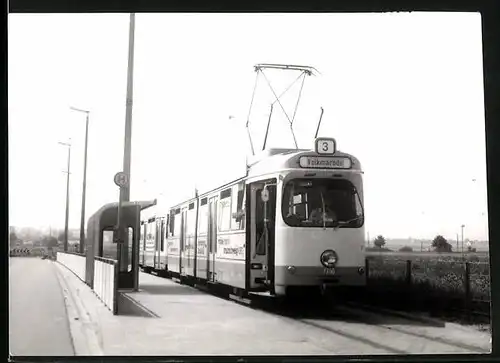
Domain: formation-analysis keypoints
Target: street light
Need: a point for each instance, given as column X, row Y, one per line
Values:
column 123, row 257
column 82, row 221
column 68, row 144
column 462, row 227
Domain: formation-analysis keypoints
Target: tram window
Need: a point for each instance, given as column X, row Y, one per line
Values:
column 225, row 193
column 162, row 238
column 157, row 234
column 203, row 201
column 191, row 221
column 171, row 225
column 149, row 235
column 224, row 214
column 203, row 219
column 303, row 202
column 237, row 209
column 177, row 226
column 141, row 242
column 166, row 226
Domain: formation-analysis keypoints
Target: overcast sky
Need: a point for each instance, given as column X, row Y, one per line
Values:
column 402, row 92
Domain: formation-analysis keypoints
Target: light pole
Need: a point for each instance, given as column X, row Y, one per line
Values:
column 462, row 227
column 84, row 187
column 123, row 246
column 125, row 192
column 68, row 144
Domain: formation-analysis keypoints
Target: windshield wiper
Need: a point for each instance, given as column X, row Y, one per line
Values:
column 343, row 223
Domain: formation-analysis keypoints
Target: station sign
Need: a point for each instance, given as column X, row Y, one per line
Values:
column 325, row 162
column 325, row 146
column 121, row 179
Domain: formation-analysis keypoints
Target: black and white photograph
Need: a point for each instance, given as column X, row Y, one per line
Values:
column 247, row 184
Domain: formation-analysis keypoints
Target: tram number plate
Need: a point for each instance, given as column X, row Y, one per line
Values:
column 329, row 271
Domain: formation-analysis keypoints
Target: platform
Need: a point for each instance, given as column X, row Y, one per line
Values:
column 180, row 320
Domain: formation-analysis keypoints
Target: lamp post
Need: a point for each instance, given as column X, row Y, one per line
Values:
column 123, row 246
column 68, row 144
column 462, row 227
column 84, row 187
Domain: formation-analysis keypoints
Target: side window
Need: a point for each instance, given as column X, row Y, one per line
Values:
column 158, row 234
column 148, row 234
column 203, row 219
column 162, row 233
column 224, row 212
column 143, row 236
column 172, row 223
column 177, row 224
column 191, row 221
column 237, row 207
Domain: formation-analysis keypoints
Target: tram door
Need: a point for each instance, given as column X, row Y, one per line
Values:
column 142, row 244
column 156, row 257
column 260, row 250
column 212, row 238
column 183, row 255
column 160, row 235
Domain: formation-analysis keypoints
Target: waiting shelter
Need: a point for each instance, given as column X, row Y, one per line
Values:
column 101, row 241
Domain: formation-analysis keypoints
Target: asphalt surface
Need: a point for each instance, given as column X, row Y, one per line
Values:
column 38, row 321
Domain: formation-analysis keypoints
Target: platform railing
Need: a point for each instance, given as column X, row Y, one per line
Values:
column 74, row 262
column 106, row 282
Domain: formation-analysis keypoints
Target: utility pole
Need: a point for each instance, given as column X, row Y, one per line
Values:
column 462, row 226
column 123, row 246
column 127, row 151
column 67, row 196
column 84, row 186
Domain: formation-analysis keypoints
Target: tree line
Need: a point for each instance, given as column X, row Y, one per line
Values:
column 439, row 244
column 46, row 241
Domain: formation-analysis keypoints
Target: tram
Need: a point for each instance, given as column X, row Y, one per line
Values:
column 295, row 220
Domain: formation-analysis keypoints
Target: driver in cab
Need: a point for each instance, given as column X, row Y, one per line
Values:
column 317, row 215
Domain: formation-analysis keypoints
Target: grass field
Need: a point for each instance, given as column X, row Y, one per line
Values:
column 434, row 276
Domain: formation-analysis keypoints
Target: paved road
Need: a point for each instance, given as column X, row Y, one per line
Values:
column 38, row 322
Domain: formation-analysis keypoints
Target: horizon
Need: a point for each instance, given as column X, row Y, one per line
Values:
column 450, row 239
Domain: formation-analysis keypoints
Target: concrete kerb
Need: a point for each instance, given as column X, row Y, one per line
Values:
column 127, row 305
column 85, row 341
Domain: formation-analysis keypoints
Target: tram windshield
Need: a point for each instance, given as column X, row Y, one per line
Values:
column 322, row 203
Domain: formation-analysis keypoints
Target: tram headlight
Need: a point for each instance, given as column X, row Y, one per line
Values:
column 329, row 258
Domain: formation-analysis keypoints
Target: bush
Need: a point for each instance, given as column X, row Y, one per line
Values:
column 379, row 241
column 440, row 244
column 433, row 277
column 406, row 249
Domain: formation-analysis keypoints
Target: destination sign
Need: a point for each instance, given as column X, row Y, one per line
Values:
column 325, row 162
